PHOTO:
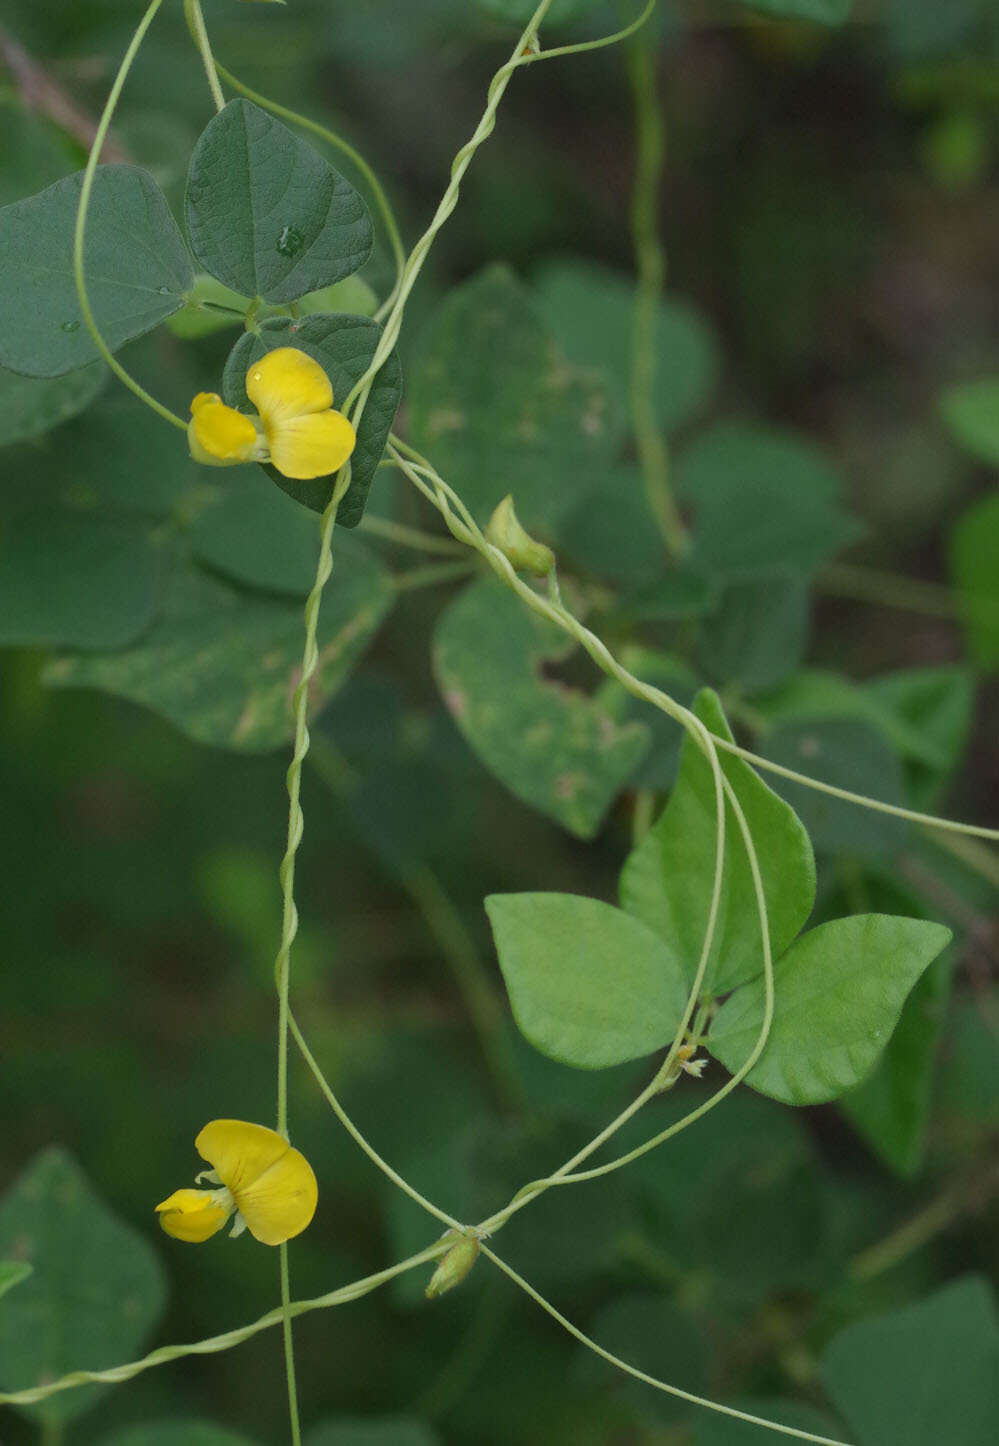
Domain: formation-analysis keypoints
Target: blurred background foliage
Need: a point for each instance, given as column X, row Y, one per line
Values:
column 831, row 216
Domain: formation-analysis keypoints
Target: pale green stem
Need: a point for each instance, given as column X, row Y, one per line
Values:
column 211, row 1345
column 410, row 536
column 645, row 812
column 646, row 1379
column 908, row 1238
column 80, row 228
column 432, row 575
column 650, row 260
column 289, row 1347
column 196, row 25
column 929, row 820
column 868, row 584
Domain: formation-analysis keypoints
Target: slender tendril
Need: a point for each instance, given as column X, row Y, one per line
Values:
column 642, row 1376
column 556, row 52
column 196, row 25
column 80, row 228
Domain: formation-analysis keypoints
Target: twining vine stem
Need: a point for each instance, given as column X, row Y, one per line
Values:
column 464, row 529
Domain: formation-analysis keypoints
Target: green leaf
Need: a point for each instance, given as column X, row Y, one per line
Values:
column 12, row 1272
column 922, row 1375
column 518, row 12
column 254, row 535
column 839, row 993
column 824, row 12
column 266, row 214
column 974, row 566
column 667, row 880
column 764, row 503
column 136, row 266
column 758, row 635
column 971, row 413
column 848, row 754
column 589, row 985
column 344, row 346
column 176, row 1432
column 495, row 404
column 31, row 406
column 551, row 746
column 371, row 1431
column 891, row 1109
column 591, row 311
column 222, row 666
column 96, row 1291
column 78, row 581
column 712, row 1430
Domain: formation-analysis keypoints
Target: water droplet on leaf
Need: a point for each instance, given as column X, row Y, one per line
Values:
column 165, row 290
column 70, row 326
column 290, row 241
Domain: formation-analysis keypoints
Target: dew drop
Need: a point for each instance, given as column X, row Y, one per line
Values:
column 290, row 241
column 70, row 326
column 164, row 290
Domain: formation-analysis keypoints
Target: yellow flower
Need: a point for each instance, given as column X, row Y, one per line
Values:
column 296, row 427
column 269, row 1186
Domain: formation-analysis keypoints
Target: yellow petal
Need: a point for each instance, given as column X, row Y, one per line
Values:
column 219, row 435
column 191, row 1215
column 315, row 446
column 286, row 383
column 239, row 1151
column 281, row 1202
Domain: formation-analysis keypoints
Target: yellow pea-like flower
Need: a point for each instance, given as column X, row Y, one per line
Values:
column 266, row 1184
column 296, row 427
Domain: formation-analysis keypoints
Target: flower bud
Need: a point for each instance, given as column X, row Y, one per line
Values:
column 505, row 532
column 456, row 1264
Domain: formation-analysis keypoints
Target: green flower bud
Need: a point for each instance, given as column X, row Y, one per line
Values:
column 456, row 1264
column 505, row 532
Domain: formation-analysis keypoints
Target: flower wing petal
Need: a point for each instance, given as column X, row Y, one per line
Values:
column 240, row 1151
column 219, row 435
column 281, row 1202
column 312, row 446
column 286, row 383
column 191, row 1215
